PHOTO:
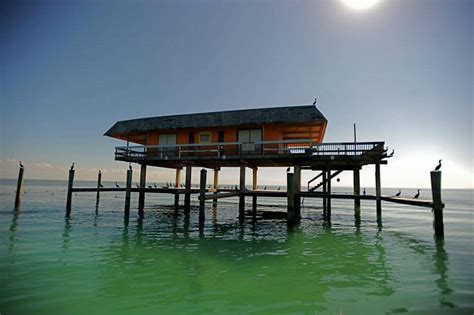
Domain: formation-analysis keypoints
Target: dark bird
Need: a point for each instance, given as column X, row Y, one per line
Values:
column 21, row 165
column 72, row 166
column 117, row 185
column 138, row 186
column 264, row 187
column 278, row 188
column 338, row 180
column 130, row 166
column 154, row 185
column 438, row 167
column 149, row 186
column 391, row 153
column 417, row 195
column 385, row 150
column 315, row 101
column 236, row 188
column 101, row 186
column 365, row 193
column 288, row 169
column 398, row 193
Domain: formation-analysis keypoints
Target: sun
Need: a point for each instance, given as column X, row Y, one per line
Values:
column 360, row 4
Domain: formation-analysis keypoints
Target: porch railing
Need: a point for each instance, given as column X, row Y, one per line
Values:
column 231, row 149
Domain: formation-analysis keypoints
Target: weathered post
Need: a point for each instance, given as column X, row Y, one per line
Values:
column 176, row 185
column 99, row 184
column 241, row 195
column 19, row 186
column 128, row 191
column 202, row 195
column 187, row 186
column 438, row 205
column 214, row 186
column 324, row 193
column 141, row 194
column 356, row 193
column 328, row 210
column 297, row 189
column 378, row 192
column 69, row 191
column 291, row 198
column 254, row 187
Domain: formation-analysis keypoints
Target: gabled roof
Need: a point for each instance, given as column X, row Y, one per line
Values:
column 287, row 114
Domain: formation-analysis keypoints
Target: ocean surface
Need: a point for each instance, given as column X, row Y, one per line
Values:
column 96, row 262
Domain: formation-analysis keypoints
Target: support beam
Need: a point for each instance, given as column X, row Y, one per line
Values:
column 254, row 187
column 99, row 184
column 19, row 186
column 141, row 194
column 438, row 205
column 378, row 193
column 215, row 184
column 325, row 201
column 177, row 184
column 297, row 189
column 70, row 185
column 241, row 196
column 202, row 195
column 128, row 191
column 187, row 186
column 357, row 193
column 328, row 211
column 291, row 198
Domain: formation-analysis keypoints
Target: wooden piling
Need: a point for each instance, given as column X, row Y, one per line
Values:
column 324, row 191
column 141, row 194
column 328, row 183
column 128, row 191
column 241, row 195
column 356, row 187
column 19, row 187
column 177, row 184
column 69, row 192
column 297, row 189
column 438, row 205
column 215, row 185
column 254, row 187
column 291, row 198
column 378, row 192
column 187, row 185
column 99, row 183
column 202, row 195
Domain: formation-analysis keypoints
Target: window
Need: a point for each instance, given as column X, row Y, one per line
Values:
column 205, row 137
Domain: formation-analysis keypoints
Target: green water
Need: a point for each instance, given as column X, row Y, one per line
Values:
column 96, row 263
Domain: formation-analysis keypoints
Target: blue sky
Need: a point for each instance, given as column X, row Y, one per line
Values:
column 402, row 70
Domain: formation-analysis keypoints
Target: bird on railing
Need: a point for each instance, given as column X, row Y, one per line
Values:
column 101, row 186
column 150, row 186
column 315, row 101
column 154, row 185
column 117, row 185
column 417, row 195
column 391, row 154
column 288, row 169
column 278, row 188
column 398, row 193
column 21, row 165
column 264, row 187
column 138, row 186
column 438, row 167
column 72, row 166
column 365, row 192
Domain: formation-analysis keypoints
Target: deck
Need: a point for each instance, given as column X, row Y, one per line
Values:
column 303, row 152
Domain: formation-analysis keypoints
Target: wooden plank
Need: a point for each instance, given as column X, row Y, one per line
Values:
column 221, row 195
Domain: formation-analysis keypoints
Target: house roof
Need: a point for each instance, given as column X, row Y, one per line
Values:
column 287, row 114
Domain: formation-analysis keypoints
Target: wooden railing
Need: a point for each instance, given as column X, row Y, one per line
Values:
column 263, row 148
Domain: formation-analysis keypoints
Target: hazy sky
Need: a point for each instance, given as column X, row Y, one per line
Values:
column 402, row 70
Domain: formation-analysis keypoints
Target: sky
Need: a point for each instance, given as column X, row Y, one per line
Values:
column 401, row 70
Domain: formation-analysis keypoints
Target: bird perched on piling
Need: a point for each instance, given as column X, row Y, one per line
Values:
column 154, row 185
column 315, row 101
column 21, row 165
column 72, row 166
column 398, row 193
column 117, row 185
column 417, row 195
column 391, row 154
column 365, row 193
column 438, row 167
column 130, row 166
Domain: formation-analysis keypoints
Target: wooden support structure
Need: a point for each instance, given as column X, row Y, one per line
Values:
column 356, row 182
column 328, row 183
column 70, row 185
column 99, row 184
column 19, row 187
column 202, row 195
column 291, row 197
column 325, row 200
column 254, row 188
column 438, row 205
column 378, row 193
column 187, row 186
column 177, row 184
column 215, row 185
column 297, row 190
column 128, row 191
column 242, row 196
column 141, row 194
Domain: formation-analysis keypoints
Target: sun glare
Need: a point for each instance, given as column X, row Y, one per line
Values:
column 360, row 4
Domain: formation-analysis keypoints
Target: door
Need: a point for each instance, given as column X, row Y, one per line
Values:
column 248, row 138
column 168, row 139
